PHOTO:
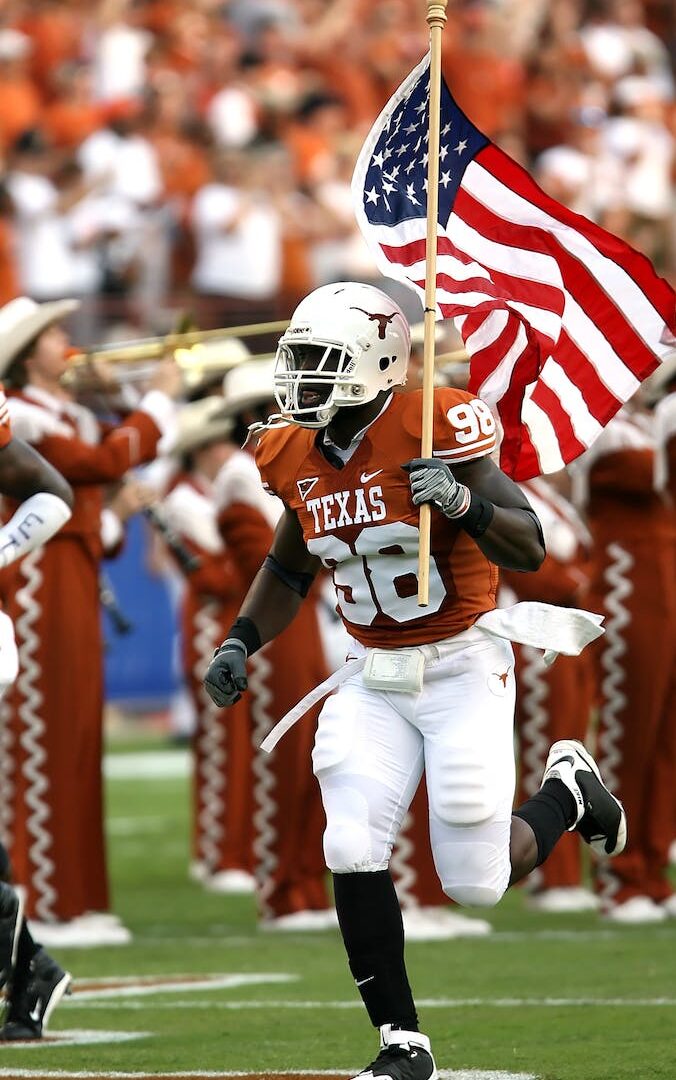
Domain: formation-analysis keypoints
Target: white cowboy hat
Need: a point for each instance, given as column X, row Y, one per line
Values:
column 248, row 384
column 208, row 359
column 200, row 423
column 22, row 320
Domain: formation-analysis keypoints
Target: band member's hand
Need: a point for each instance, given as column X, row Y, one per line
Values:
column 130, row 498
column 226, row 679
column 168, row 378
column 433, row 482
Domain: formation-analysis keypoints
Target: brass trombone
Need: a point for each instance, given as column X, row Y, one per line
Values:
column 197, row 353
column 154, row 348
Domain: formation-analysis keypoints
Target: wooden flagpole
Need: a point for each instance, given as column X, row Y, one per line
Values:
column 436, row 18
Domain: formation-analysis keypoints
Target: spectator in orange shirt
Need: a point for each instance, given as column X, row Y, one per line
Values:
column 311, row 137
column 486, row 82
column 9, row 276
column 20, row 100
column 179, row 142
column 56, row 29
column 73, row 115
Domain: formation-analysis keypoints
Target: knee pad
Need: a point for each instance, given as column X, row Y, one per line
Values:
column 347, row 847
column 463, row 794
column 474, row 874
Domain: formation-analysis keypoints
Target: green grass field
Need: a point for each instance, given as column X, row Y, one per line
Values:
column 565, row 998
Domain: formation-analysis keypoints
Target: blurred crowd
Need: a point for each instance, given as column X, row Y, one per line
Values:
column 159, row 156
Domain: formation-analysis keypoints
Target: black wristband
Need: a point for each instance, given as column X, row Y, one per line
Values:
column 476, row 520
column 245, row 631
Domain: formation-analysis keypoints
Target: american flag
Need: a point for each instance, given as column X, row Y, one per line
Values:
column 562, row 320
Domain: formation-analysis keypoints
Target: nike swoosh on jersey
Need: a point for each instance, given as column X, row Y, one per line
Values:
column 365, row 477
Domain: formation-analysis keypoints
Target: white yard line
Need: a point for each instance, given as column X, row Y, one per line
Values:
column 148, row 765
column 42, row 1074
column 498, row 937
column 427, row 1003
column 142, row 988
column 135, row 826
column 72, row 1037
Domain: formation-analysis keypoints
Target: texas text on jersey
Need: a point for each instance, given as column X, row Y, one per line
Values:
column 360, row 520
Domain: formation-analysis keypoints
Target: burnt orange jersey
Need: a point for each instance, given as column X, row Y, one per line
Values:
column 5, row 426
column 361, row 522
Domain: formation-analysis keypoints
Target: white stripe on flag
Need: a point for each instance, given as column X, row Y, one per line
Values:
column 543, row 436
column 486, row 334
column 585, row 426
column 493, row 388
column 518, row 262
column 595, row 346
column 613, row 279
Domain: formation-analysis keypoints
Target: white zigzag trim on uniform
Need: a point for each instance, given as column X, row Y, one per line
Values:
column 211, row 745
column 533, row 732
column 534, row 692
column 265, row 835
column 401, row 865
column 32, row 733
column 614, row 698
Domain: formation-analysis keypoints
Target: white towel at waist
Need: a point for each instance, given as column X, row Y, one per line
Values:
column 553, row 629
column 543, row 626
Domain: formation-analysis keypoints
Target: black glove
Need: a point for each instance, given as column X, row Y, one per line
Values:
column 226, row 674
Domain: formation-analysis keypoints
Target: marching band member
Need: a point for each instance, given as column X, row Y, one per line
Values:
column 222, row 799
column 288, row 816
column 634, row 585
column 553, row 701
column 57, row 841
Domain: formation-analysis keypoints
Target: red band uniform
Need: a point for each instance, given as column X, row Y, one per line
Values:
column 289, row 821
column 222, row 798
column 56, row 841
column 553, row 702
column 634, row 585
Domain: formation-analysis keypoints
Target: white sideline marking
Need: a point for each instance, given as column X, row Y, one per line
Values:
column 498, row 937
column 445, row 1074
column 135, row 826
column 72, row 1037
column 427, row 1003
column 148, row 765
column 143, row 988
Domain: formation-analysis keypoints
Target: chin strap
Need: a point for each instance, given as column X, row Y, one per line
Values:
column 274, row 421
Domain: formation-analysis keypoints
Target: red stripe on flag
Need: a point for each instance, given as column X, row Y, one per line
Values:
column 578, row 281
column 638, row 266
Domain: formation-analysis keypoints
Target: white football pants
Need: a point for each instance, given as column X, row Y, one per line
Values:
column 372, row 746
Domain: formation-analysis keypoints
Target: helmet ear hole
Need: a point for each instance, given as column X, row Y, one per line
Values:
column 385, row 362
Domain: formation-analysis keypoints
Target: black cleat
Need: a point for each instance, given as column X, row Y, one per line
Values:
column 404, row 1055
column 600, row 820
column 31, row 1007
column 11, row 917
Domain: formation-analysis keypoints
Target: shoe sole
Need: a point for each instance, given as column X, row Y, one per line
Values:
column 61, row 988
column 621, row 838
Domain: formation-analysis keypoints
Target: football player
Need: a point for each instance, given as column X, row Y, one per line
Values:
column 436, row 691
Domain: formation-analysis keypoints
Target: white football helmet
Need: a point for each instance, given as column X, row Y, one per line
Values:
column 345, row 343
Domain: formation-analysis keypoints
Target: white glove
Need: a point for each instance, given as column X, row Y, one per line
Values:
column 433, row 482
column 35, row 521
